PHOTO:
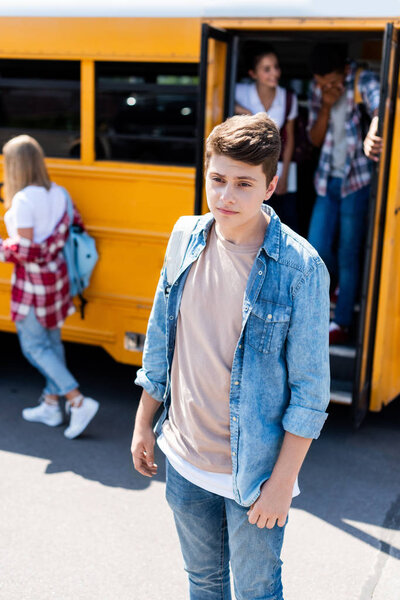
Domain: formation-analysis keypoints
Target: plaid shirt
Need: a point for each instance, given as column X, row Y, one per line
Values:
column 40, row 277
column 358, row 166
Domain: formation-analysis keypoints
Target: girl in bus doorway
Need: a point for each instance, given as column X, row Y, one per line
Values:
column 265, row 95
column 38, row 224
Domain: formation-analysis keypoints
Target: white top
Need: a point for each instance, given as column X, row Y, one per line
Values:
column 339, row 151
column 216, row 483
column 36, row 207
column 247, row 96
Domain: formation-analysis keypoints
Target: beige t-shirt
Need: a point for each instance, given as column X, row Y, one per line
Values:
column 208, row 329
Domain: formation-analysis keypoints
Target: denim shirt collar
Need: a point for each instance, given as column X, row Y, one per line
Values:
column 272, row 236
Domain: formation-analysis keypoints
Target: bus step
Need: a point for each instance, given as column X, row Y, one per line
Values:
column 341, row 391
column 342, row 360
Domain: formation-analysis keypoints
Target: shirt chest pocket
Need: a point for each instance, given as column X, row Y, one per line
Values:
column 267, row 326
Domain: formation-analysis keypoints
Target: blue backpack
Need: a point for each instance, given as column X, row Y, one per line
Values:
column 81, row 257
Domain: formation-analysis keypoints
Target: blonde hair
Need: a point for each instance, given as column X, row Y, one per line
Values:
column 23, row 165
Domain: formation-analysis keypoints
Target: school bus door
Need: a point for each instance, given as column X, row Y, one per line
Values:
column 218, row 61
column 377, row 379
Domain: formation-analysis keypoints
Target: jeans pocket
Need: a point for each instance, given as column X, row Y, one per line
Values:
column 267, row 326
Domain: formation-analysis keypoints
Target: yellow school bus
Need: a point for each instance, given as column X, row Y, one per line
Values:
column 121, row 97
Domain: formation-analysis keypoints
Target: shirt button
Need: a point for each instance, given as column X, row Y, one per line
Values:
column 234, row 453
column 240, row 346
column 236, row 383
column 246, row 308
column 171, row 318
column 260, row 272
column 269, row 317
column 234, row 419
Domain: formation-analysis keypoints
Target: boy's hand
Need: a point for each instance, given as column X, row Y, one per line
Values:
column 373, row 143
column 142, row 449
column 272, row 506
column 331, row 93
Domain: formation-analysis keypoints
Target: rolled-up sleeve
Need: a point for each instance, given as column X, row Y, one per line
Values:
column 370, row 90
column 152, row 377
column 307, row 355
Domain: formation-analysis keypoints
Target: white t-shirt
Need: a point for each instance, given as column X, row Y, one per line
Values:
column 217, row 483
column 339, row 151
column 36, row 207
column 247, row 96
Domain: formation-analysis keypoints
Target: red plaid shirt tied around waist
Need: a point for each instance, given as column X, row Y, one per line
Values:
column 40, row 277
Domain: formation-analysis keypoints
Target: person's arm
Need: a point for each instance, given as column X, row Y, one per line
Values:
column 307, row 359
column 152, row 377
column 275, row 499
column 369, row 88
column 22, row 250
column 373, row 143
column 330, row 95
column 143, row 438
column 318, row 131
column 240, row 110
column 281, row 188
column 26, row 232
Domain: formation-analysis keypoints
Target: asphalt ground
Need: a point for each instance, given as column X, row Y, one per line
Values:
column 78, row 523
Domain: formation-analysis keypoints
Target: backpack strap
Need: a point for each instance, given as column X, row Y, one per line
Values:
column 177, row 246
column 357, row 94
column 71, row 266
column 69, row 206
column 288, row 106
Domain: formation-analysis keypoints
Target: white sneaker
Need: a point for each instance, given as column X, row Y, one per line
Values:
column 81, row 417
column 49, row 414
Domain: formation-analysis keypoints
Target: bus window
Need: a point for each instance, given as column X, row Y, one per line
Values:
column 146, row 112
column 41, row 98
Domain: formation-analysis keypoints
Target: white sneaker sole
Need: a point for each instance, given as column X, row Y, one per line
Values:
column 77, row 431
column 50, row 423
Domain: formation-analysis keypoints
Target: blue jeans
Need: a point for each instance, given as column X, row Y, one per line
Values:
column 342, row 221
column 213, row 531
column 44, row 349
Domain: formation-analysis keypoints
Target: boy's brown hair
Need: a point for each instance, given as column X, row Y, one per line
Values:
column 252, row 139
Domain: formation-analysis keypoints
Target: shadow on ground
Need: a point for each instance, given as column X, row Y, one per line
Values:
column 350, row 477
column 102, row 453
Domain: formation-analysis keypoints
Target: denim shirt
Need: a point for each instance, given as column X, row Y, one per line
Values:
column 280, row 377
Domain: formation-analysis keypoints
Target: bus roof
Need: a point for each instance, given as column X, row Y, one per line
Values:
column 201, row 8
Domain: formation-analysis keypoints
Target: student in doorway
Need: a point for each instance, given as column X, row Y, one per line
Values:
column 342, row 180
column 237, row 350
column 264, row 94
column 38, row 224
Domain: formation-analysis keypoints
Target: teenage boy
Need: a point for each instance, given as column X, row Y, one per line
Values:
column 237, row 349
column 342, row 180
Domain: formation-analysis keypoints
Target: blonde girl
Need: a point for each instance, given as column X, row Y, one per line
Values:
column 38, row 225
